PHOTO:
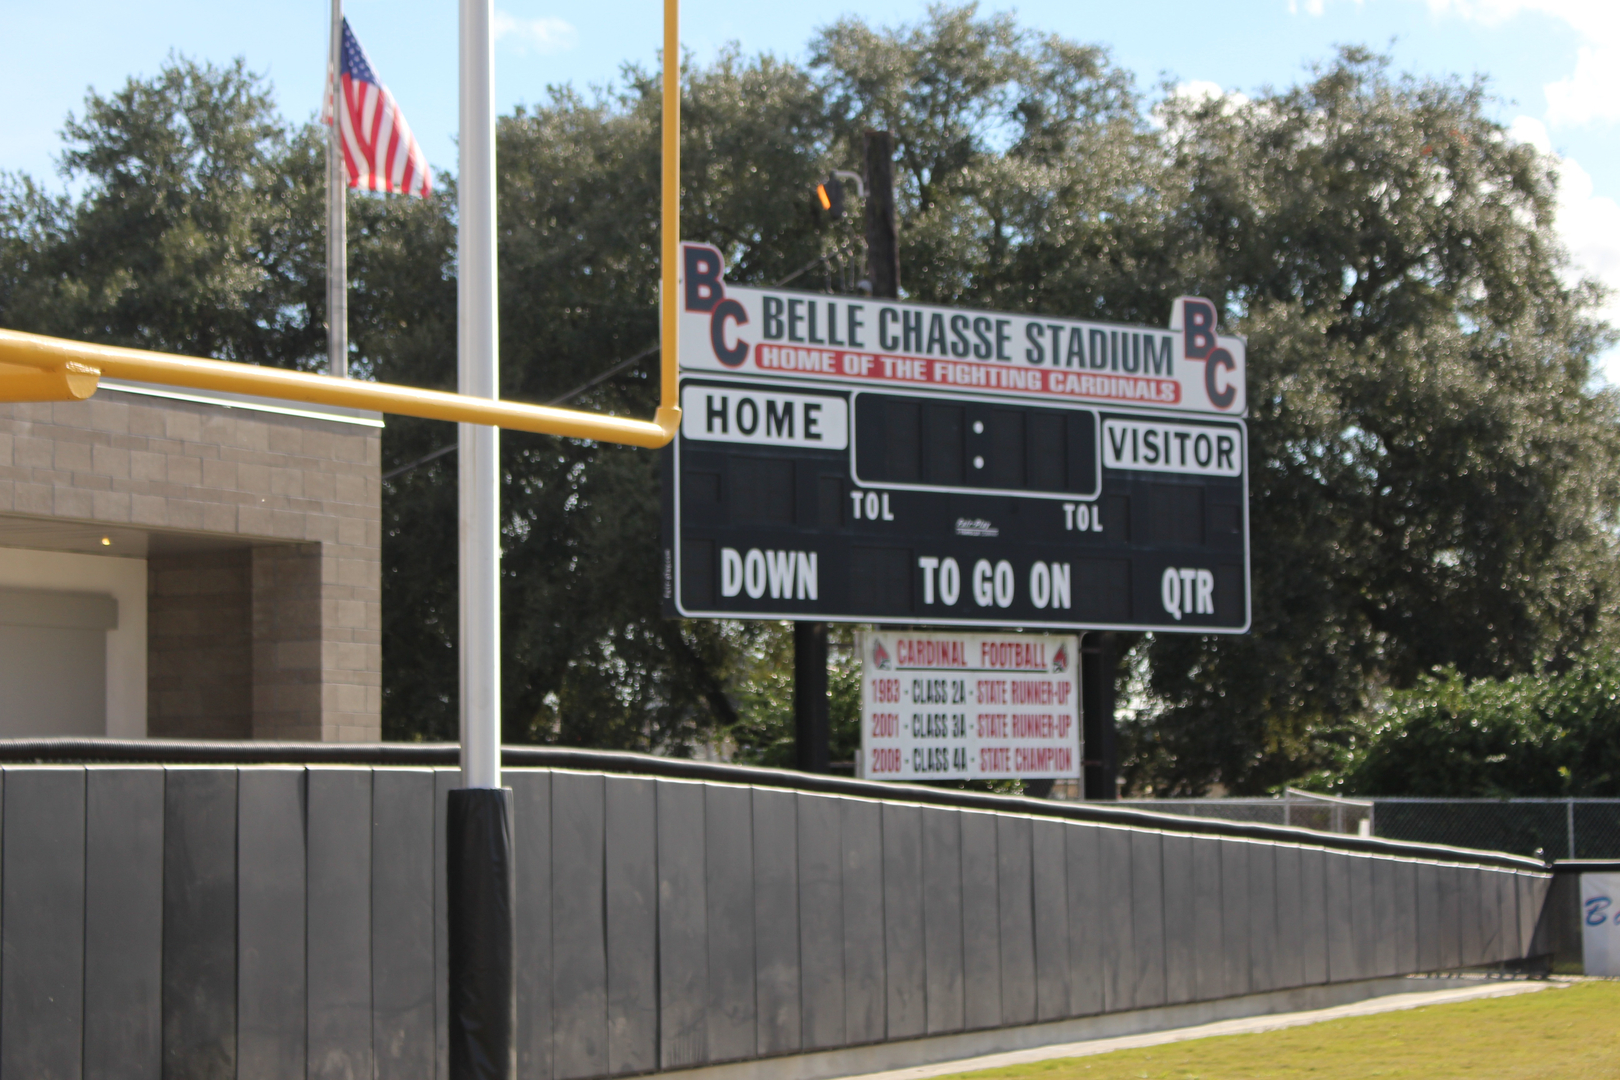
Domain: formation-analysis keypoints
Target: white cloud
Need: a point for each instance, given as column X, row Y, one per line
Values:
column 1197, row 92
column 1590, row 93
column 1588, row 225
column 1202, row 90
column 1531, row 132
column 543, row 35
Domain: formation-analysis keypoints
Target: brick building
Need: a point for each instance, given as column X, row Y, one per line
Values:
column 179, row 563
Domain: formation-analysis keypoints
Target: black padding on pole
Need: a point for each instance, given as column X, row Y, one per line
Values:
column 482, row 896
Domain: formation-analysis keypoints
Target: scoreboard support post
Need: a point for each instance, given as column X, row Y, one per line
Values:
column 882, row 232
column 811, row 726
column 1098, row 661
column 812, row 729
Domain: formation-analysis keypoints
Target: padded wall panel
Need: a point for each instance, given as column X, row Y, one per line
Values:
column 683, row 954
column 1236, row 965
column 1086, row 927
column 271, row 982
column 1472, row 915
column 865, row 980
column 729, row 886
column 1363, row 914
column 1475, row 900
column 123, row 923
column 981, row 921
column 1532, row 896
column 776, row 920
column 630, row 869
column 42, row 883
column 903, row 933
column 1404, row 929
column 1117, row 913
column 1262, row 917
column 942, row 918
column 1051, row 903
column 1468, row 885
column 339, row 923
column 1450, row 926
column 531, row 919
column 578, row 925
column 1385, row 937
column 1209, row 952
column 1289, row 956
column 1507, row 915
column 1016, row 878
column 1147, row 919
column 821, row 921
column 1429, row 890
column 402, row 983
column 445, row 780
column 1180, row 919
column 1340, row 934
column 199, row 923
column 1491, row 917
column 1313, row 914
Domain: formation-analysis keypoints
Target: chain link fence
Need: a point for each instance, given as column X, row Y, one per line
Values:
column 1303, row 809
column 1540, row 828
column 1544, row 828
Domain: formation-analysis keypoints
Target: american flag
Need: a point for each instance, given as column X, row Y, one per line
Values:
column 379, row 151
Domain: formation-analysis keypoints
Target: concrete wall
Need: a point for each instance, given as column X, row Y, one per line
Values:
column 192, row 921
column 286, row 500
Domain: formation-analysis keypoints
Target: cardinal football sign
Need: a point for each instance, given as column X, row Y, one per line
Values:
column 969, row 706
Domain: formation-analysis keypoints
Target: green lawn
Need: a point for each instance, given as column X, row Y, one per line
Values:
column 1557, row 1034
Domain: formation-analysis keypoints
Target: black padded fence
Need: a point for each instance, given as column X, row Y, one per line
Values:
column 215, row 920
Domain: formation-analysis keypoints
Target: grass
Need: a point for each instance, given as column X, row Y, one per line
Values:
column 1555, row 1034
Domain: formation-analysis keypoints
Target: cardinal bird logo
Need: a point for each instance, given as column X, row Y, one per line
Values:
column 1060, row 659
column 880, row 655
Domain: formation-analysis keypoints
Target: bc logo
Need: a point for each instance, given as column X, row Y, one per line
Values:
column 705, row 292
column 1198, row 338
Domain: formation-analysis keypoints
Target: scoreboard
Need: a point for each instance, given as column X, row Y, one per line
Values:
column 861, row 460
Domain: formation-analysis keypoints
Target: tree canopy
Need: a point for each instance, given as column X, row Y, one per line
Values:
column 1527, row 735
column 1434, row 479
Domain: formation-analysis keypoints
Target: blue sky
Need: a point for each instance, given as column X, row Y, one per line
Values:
column 1555, row 64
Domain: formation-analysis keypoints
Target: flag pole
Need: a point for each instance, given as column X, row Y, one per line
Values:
column 337, row 239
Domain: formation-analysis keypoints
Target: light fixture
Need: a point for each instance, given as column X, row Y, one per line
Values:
column 106, row 541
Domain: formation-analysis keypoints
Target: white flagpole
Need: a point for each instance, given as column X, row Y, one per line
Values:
column 337, row 240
